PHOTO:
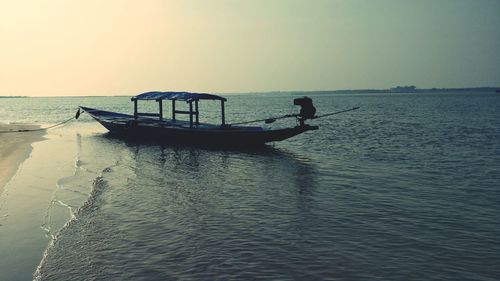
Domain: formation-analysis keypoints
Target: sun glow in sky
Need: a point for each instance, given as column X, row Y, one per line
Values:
column 124, row 47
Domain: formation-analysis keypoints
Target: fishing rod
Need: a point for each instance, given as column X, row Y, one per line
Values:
column 43, row 129
column 273, row 119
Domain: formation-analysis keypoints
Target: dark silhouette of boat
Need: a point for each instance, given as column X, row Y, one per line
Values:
column 155, row 126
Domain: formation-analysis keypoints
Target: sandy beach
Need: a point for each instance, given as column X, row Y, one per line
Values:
column 15, row 148
column 31, row 212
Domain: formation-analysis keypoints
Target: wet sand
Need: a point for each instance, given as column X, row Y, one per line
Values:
column 15, row 148
column 29, row 211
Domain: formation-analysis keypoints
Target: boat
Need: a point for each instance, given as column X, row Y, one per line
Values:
column 157, row 127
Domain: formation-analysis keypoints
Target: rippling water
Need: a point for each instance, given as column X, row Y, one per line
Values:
column 404, row 188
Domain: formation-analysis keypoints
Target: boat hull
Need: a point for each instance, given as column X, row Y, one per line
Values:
column 148, row 129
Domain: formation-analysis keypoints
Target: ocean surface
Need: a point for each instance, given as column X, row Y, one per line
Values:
column 405, row 188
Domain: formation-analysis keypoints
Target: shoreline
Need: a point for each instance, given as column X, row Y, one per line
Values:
column 31, row 208
column 15, row 148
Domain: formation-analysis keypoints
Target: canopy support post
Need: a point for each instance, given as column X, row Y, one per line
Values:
column 173, row 110
column 197, row 120
column 135, row 109
column 190, row 114
column 223, row 113
column 160, row 103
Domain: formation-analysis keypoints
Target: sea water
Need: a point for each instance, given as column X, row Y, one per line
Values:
column 405, row 188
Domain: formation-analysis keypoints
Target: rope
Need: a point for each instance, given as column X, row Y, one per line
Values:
column 43, row 129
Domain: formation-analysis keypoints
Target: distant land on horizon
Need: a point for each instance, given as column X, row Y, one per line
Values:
column 401, row 89
column 14, row 97
column 398, row 89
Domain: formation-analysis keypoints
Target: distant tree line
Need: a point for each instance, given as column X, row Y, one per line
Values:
column 11, row 97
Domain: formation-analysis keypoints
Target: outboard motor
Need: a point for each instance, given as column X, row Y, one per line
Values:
column 307, row 109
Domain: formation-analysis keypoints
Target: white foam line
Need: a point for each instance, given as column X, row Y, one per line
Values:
column 37, row 274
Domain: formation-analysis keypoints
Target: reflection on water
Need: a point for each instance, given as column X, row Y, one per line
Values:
column 182, row 212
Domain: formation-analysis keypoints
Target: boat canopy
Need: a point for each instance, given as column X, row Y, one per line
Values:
column 181, row 96
column 191, row 98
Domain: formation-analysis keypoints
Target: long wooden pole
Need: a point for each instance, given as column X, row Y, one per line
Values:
column 272, row 119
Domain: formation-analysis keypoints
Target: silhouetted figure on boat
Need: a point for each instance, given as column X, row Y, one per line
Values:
column 307, row 109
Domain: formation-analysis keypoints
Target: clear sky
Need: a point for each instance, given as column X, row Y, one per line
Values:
column 124, row 47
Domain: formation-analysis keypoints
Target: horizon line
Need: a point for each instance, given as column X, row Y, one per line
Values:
column 265, row 92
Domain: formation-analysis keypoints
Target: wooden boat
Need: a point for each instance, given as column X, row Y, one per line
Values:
column 154, row 126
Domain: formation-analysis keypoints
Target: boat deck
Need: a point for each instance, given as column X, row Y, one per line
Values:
column 122, row 119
